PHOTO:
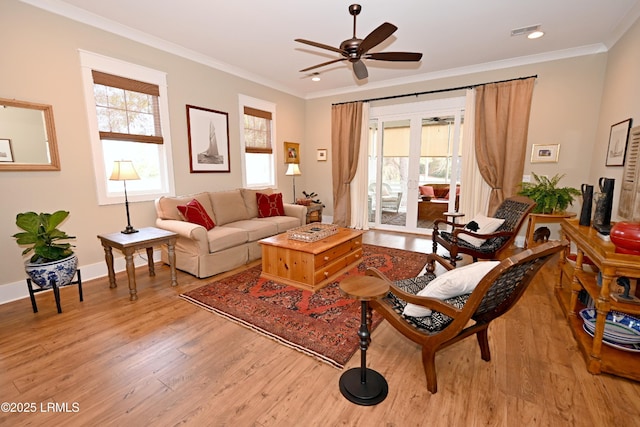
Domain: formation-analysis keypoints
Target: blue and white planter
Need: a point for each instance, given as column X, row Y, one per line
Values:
column 60, row 272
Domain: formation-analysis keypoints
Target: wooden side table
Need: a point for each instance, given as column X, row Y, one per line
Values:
column 364, row 386
column 128, row 243
column 314, row 213
column 535, row 218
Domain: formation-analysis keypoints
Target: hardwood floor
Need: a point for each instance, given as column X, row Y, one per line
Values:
column 163, row 361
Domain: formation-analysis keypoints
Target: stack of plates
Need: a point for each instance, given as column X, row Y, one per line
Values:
column 620, row 330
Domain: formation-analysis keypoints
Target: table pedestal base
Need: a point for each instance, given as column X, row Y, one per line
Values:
column 370, row 392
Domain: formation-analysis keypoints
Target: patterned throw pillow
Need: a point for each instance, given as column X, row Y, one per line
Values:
column 194, row 212
column 269, row 205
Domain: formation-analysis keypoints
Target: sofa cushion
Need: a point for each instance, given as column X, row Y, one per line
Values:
column 221, row 238
column 167, row 207
column 255, row 229
column 269, row 205
column 250, row 201
column 229, row 206
column 283, row 223
column 195, row 213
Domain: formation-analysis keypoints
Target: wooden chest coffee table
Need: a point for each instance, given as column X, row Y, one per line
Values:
column 310, row 265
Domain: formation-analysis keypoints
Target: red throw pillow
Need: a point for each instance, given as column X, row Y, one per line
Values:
column 427, row 190
column 269, row 205
column 194, row 212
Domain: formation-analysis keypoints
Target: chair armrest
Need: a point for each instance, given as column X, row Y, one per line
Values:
column 297, row 211
column 481, row 236
column 189, row 234
column 437, row 222
column 431, row 266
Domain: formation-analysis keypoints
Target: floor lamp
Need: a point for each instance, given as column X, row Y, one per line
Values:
column 293, row 170
column 124, row 171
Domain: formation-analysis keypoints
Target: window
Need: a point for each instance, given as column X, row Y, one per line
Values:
column 128, row 118
column 257, row 136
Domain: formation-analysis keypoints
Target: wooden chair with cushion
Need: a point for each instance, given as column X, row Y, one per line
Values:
column 483, row 237
column 458, row 303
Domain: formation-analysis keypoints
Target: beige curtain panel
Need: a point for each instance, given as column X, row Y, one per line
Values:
column 346, row 129
column 502, row 123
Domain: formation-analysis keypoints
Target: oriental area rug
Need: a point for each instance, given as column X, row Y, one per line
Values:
column 323, row 325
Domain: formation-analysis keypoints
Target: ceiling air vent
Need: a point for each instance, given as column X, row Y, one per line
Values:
column 525, row 30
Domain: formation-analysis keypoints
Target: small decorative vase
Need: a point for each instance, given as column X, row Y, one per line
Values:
column 626, row 236
column 587, row 202
column 60, row 272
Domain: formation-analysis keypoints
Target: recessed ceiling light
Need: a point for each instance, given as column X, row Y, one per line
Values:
column 535, row 34
column 316, row 77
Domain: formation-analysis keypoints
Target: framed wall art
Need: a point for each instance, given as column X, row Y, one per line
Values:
column 292, row 152
column 545, row 153
column 618, row 138
column 6, row 152
column 208, row 140
column 321, row 156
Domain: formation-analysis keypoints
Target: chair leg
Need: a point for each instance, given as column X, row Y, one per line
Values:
column 483, row 340
column 429, row 362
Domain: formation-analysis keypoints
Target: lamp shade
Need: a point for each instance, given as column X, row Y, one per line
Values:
column 123, row 170
column 293, row 170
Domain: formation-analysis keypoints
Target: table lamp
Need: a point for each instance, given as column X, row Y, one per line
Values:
column 293, row 170
column 124, row 171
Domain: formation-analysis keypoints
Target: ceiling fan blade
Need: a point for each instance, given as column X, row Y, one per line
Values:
column 323, row 64
column 322, row 46
column 376, row 37
column 360, row 70
column 395, row 56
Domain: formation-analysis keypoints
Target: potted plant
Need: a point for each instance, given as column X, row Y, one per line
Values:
column 548, row 196
column 53, row 261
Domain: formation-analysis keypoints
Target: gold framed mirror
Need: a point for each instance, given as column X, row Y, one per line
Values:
column 27, row 137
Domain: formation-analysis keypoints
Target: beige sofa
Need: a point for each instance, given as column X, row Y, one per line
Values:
column 233, row 241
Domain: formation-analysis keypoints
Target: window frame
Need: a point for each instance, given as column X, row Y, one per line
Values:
column 90, row 62
column 258, row 104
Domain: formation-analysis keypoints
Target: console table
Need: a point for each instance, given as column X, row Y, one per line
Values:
column 535, row 218
column 128, row 243
column 598, row 356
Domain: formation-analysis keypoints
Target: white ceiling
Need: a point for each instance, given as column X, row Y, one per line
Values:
column 255, row 38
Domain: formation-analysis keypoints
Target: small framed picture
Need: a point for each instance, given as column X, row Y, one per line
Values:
column 6, row 152
column 292, row 152
column 618, row 138
column 321, row 156
column 208, row 132
column 545, row 153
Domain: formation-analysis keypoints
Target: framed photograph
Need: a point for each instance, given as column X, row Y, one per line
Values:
column 545, row 153
column 618, row 138
column 208, row 140
column 6, row 152
column 292, row 152
column 321, row 156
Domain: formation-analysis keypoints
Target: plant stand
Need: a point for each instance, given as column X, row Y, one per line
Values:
column 56, row 291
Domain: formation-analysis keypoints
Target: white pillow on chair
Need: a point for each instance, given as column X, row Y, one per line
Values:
column 459, row 281
column 486, row 225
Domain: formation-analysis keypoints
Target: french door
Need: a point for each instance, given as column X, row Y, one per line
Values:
column 411, row 145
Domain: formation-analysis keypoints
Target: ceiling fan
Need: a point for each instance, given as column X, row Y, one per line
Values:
column 355, row 50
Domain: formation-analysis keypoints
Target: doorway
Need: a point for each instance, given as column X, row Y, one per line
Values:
column 414, row 164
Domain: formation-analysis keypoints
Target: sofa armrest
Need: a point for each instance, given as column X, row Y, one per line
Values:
column 190, row 236
column 298, row 211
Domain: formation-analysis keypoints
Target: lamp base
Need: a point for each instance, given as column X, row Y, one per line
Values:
column 129, row 230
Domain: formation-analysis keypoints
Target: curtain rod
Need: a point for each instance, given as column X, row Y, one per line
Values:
column 436, row 91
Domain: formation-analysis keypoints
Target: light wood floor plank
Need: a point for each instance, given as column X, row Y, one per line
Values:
column 163, row 361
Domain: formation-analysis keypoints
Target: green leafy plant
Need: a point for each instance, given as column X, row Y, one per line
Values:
column 42, row 236
column 548, row 196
